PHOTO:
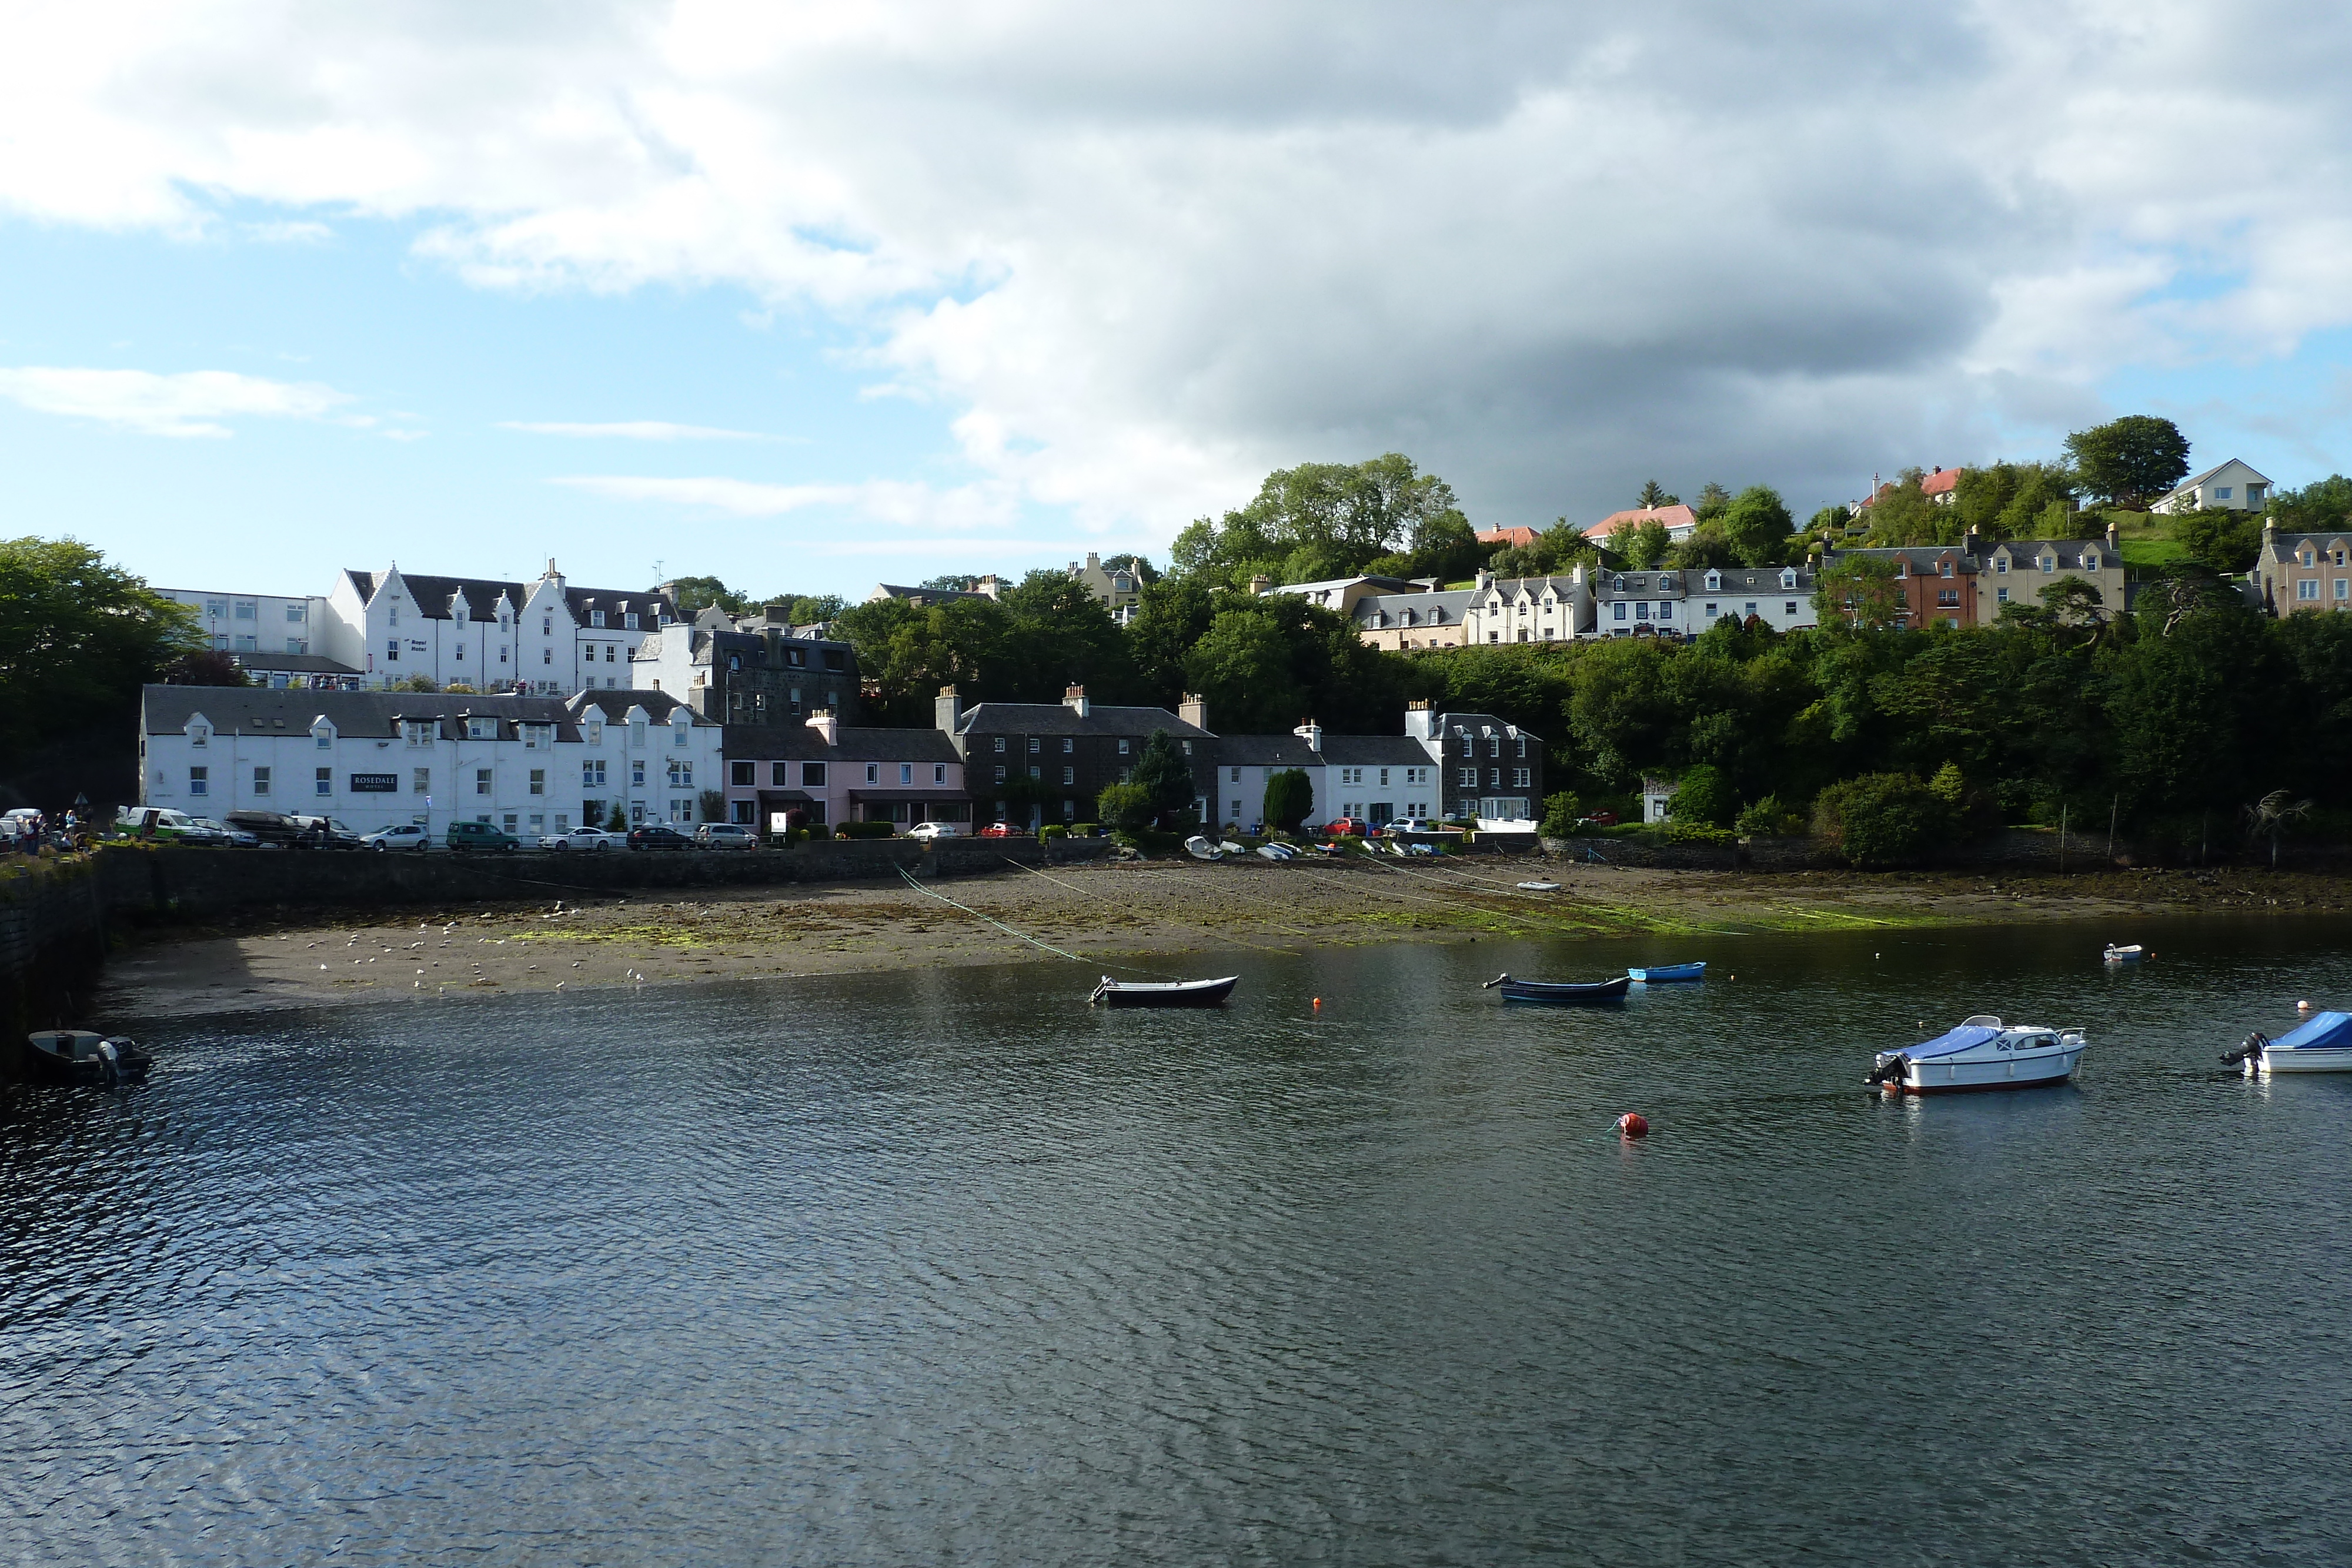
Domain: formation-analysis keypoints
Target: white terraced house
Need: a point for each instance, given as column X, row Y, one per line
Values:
column 543, row 639
column 1555, row 608
column 379, row 759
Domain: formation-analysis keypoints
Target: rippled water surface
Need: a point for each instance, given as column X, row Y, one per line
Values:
column 946, row 1267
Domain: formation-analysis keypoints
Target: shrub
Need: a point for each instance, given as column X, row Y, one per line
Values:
column 1561, row 812
column 1705, row 796
column 1052, row 831
column 1127, row 806
column 1289, row 796
column 1681, row 832
column 1882, row 818
column 1768, row 819
column 866, row 829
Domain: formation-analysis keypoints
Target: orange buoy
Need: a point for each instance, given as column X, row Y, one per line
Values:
column 1632, row 1125
column 1318, row 1004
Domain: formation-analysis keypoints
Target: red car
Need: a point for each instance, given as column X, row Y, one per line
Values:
column 1355, row 827
column 1605, row 818
column 1002, row 830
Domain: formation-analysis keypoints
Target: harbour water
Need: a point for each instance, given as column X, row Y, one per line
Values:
column 944, row 1267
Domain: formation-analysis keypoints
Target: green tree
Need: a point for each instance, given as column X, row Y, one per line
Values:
column 1757, row 525
column 1327, row 519
column 1714, row 500
column 1645, row 544
column 1243, row 666
column 811, row 610
column 2225, row 541
column 1125, row 806
column 204, row 667
column 1161, row 773
column 1653, row 495
column 1704, row 795
column 1562, row 812
column 1830, row 520
column 695, row 593
column 1903, row 514
column 1859, row 592
column 1289, row 797
column 78, row 637
column 1170, row 618
column 618, row 821
column 2324, row 506
column 2131, row 460
column 1882, row 820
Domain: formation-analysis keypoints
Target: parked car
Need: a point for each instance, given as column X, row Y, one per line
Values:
column 273, row 828
column 658, row 836
column 1601, row 819
column 327, row 834
column 1002, row 830
column 928, row 831
column 582, row 839
column 400, row 836
column 1411, row 825
column 464, row 836
column 234, row 837
column 1351, row 827
column 725, row 836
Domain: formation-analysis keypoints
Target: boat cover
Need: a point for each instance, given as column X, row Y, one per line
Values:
column 1968, row 1037
column 2323, row 1032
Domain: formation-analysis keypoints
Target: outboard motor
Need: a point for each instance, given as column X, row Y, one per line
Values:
column 2250, row 1052
column 1892, row 1070
column 109, row 1065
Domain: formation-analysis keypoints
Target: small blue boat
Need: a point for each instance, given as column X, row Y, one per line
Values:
column 1666, row 973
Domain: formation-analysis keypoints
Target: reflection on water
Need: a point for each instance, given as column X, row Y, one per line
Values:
column 945, row 1266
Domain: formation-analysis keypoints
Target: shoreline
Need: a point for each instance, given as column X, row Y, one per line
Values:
column 1098, row 912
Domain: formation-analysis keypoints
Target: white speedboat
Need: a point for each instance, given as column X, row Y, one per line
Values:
column 1201, row 848
column 2322, row 1043
column 2131, row 955
column 1982, row 1054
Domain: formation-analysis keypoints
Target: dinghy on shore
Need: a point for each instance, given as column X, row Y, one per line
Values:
column 1201, row 848
column 1982, row 1054
column 2321, row 1044
column 1163, row 993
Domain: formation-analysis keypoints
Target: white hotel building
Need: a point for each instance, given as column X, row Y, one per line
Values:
column 375, row 759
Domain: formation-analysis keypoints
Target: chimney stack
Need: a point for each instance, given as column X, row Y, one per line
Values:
column 1261, row 583
column 945, row 713
column 1420, row 720
column 1075, row 699
column 2115, row 544
column 1194, row 710
column 826, row 724
column 1314, row 734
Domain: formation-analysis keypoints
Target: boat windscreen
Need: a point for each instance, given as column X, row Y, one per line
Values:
column 1968, row 1037
column 2323, row 1032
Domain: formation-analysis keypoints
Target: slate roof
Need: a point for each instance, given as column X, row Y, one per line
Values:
column 1374, row 751
column 1760, row 580
column 1454, row 601
column 1059, row 718
column 433, row 595
column 258, row 710
column 1266, row 751
column 615, row 701
column 1641, row 585
column 2069, row 552
column 292, row 663
column 1926, row 557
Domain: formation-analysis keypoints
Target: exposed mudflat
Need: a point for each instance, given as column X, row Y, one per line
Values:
column 1109, row 913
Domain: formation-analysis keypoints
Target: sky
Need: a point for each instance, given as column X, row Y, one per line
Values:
column 807, row 297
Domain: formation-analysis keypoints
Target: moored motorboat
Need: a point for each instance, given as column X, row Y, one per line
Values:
column 1163, row 993
column 2322, row 1043
column 2131, row 955
column 85, row 1056
column 1561, row 990
column 1981, row 1053
column 1668, row 974
column 1201, row 848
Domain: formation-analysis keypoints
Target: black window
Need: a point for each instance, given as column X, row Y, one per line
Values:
column 744, row 773
column 812, row 774
column 834, row 659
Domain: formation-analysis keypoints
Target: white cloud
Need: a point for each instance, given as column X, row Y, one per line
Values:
column 1550, row 250
column 192, row 403
column 633, row 429
column 895, row 502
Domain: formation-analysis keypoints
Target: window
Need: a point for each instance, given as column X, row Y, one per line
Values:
column 1666, row 611
column 812, row 775
column 1000, row 773
column 420, row 781
column 741, row 773
column 1122, row 745
column 1385, row 775
column 217, row 607
column 2090, row 560
column 394, row 620
column 296, row 645
column 2050, row 563
column 502, row 653
column 535, row 736
column 596, row 732
column 874, row 773
column 392, row 651
column 779, row 773
column 1496, row 776
column 246, row 610
column 906, row 773
column 1712, row 612
column 592, row 773
column 629, row 623
column 2221, row 492
column 1069, row 775
column 2308, row 589
column 1035, row 746
column 324, row 738
column 199, row 737
column 2343, row 589
column 481, row 781
column 481, row 730
column 539, row 781
column 1752, row 607
column 681, row 773
column 1036, row 772
column 1943, row 568
column 1620, row 608
column 677, row 733
column 198, row 781
column 1789, row 608
column 547, row 655
column 1000, row 743
column 2001, row 595
column 512, row 820
column 324, row 783
column 595, row 618
column 938, row 772
column 418, row 731
column 1948, row 596
column 461, row 650
column 1237, row 776
column 261, row 780
column 637, row 772
column 1521, row 777
column 2000, row 565
column 1469, row 779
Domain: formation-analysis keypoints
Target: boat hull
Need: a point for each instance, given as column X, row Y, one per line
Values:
column 1565, row 992
column 2331, row 1059
column 2023, row 1071
column 1668, row 974
column 1183, row 994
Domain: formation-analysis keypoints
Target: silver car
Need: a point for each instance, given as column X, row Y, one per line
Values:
column 582, row 839
column 402, row 836
column 725, row 836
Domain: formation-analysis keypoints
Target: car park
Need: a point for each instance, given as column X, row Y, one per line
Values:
column 399, row 836
column 582, row 839
column 658, row 836
column 725, row 836
column 929, row 832
column 463, row 836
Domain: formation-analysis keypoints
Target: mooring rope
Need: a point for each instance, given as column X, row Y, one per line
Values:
column 1008, row 930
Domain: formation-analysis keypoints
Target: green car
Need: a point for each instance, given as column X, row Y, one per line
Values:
column 481, row 836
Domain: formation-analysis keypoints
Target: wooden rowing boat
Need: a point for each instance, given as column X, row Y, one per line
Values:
column 1163, row 993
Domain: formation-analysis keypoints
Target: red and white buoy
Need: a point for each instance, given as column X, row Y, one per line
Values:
column 1632, row 1125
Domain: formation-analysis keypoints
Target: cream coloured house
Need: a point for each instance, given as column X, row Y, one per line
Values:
column 2231, row 487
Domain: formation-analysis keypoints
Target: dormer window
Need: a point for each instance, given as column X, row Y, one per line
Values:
column 595, row 618
column 502, row 619
column 596, row 732
column 199, row 735
column 2000, row 565
column 629, row 621
column 457, row 613
column 1714, row 582
column 2090, row 560
column 1945, row 569
column 1788, row 577
column 323, row 736
column 481, row 730
column 2050, row 563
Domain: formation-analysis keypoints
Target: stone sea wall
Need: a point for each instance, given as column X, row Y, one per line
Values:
column 52, row 944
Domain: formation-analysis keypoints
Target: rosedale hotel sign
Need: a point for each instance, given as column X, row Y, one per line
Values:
column 376, row 783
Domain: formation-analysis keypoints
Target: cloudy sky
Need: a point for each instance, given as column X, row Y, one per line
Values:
column 809, row 296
